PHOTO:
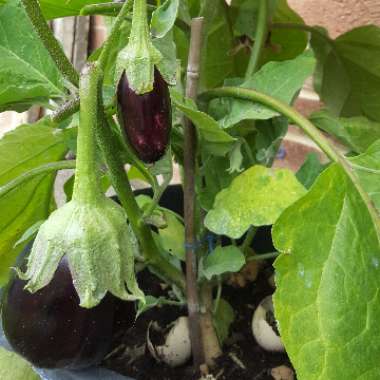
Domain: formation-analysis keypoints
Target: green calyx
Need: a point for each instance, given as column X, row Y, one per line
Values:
column 100, row 249
column 91, row 230
column 139, row 57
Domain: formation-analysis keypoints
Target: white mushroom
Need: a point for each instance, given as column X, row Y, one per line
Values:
column 264, row 326
column 176, row 350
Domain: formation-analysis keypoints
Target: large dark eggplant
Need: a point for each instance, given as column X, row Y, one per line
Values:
column 50, row 329
column 146, row 118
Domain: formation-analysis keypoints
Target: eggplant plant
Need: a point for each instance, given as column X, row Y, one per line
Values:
column 205, row 88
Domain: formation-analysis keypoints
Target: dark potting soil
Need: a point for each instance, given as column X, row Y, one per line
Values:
column 242, row 359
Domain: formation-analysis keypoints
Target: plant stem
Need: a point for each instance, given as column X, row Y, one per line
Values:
column 190, row 147
column 260, row 38
column 210, row 339
column 308, row 127
column 107, row 9
column 263, row 256
column 65, row 111
column 248, row 239
column 43, row 169
column 122, row 186
column 40, row 25
column 86, row 184
column 113, row 37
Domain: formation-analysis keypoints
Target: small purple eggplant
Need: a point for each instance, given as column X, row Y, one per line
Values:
column 50, row 329
column 146, row 118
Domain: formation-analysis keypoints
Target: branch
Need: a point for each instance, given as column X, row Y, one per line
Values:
column 43, row 169
column 190, row 147
column 260, row 38
column 51, row 44
column 65, row 111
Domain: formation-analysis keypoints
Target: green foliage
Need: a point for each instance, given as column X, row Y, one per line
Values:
column 222, row 260
column 310, row 170
column 163, row 18
column 23, row 149
column 327, row 298
column 358, row 133
column 223, row 318
column 282, row 80
column 348, row 75
column 256, row 197
column 27, row 73
column 56, row 8
column 218, row 141
column 13, row 366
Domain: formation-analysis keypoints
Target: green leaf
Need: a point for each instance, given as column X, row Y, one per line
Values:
column 172, row 237
column 218, row 142
column 358, row 133
column 282, row 80
column 217, row 62
column 222, row 320
column 168, row 65
column 367, row 168
column 216, row 177
column 27, row 73
column 348, row 79
column 13, row 366
column 25, row 148
column 268, row 139
column 163, row 18
column 310, row 170
column 327, row 300
column 29, row 234
column 285, row 44
column 256, row 197
column 222, row 260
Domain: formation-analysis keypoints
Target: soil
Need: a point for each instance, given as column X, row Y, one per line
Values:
column 243, row 358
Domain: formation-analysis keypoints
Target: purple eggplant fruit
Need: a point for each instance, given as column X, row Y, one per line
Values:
column 50, row 329
column 146, row 118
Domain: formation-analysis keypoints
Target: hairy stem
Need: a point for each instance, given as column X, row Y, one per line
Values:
column 43, row 169
column 86, row 185
column 190, row 148
column 248, row 239
column 108, row 9
column 55, row 50
column 65, row 111
column 307, row 126
column 260, row 38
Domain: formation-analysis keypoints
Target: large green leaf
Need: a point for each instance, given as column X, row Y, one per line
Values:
column 26, row 147
column 27, row 73
column 358, row 133
column 328, row 300
column 282, row 80
column 14, row 367
column 256, row 197
column 348, row 75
